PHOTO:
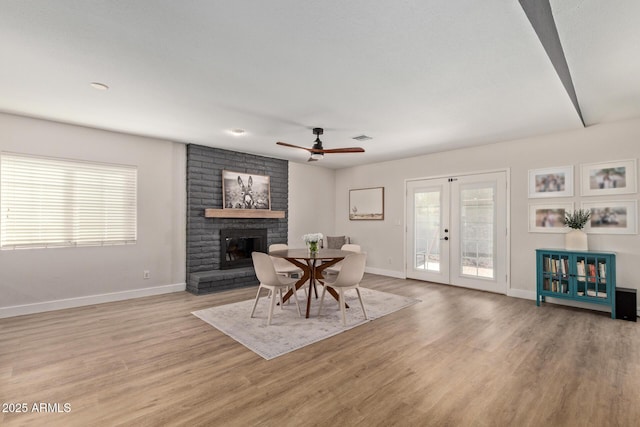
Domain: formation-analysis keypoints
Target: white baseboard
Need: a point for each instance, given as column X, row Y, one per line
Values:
column 383, row 272
column 20, row 310
column 521, row 293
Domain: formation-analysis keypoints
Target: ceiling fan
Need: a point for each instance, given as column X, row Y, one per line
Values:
column 317, row 152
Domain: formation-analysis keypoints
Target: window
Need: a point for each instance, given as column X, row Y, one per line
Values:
column 46, row 202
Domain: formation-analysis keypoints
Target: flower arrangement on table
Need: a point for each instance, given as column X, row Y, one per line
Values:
column 312, row 240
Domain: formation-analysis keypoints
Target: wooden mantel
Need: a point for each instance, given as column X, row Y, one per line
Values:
column 242, row 213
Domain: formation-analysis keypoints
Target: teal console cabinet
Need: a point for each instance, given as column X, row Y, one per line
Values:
column 585, row 276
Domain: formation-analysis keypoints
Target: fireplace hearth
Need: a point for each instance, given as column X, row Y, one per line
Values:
column 236, row 246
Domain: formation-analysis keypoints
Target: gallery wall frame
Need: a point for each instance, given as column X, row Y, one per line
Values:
column 241, row 190
column 612, row 217
column 366, row 204
column 608, row 178
column 548, row 217
column 551, row 182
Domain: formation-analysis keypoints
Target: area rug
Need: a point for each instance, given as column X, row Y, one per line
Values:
column 288, row 331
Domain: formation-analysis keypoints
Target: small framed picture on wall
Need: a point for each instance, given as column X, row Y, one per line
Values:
column 612, row 217
column 601, row 179
column 548, row 218
column 551, row 182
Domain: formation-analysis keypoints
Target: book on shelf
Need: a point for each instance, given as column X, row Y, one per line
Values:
column 581, row 270
column 602, row 272
column 592, row 272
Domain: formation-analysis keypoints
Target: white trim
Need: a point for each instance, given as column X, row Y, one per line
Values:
column 449, row 175
column 20, row 310
column 521, row 293
column 383, row 272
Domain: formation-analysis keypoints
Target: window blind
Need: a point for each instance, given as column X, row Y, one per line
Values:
column 47, row 202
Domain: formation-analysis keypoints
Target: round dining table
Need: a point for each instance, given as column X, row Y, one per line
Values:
column 312, row 266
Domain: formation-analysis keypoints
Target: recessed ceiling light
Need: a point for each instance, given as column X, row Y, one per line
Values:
column 237, row 131
column 99, row 86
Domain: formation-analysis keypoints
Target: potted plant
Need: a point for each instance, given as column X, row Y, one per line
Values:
column 576, row 239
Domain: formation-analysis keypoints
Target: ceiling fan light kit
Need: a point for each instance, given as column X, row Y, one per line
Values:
column 317, row 151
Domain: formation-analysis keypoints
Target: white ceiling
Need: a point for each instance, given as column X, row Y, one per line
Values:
column 418, row 76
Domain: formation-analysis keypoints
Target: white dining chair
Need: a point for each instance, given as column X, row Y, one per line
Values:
column 283, row 266
column 275, row 283
column 349, row 277
column 335, row 268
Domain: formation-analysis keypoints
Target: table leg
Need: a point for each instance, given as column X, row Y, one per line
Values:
column 312, row 273
column 312, row 283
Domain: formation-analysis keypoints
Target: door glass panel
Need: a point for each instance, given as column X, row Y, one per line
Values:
column 477, row 230
column 427, row 230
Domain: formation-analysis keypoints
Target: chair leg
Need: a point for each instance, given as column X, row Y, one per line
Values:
column 280, row 295
column 360, row 298
column 272, row 304
column 295, row 298
column 256, row 301
column 324, row 288
column 342, row 307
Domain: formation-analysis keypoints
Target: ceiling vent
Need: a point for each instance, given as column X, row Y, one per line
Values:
column 362, row 138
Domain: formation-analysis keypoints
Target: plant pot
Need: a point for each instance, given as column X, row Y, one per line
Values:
column 576, row 240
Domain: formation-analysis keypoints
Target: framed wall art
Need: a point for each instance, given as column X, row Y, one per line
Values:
column 600, row 179
column 551, row 182
column 612, row 217
column 548, row 218
column 245, row 191
column 366, row 204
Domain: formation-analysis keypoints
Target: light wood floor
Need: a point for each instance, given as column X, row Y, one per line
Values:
column 458, row 358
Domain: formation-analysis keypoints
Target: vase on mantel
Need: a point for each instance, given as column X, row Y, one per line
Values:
column 576, row 240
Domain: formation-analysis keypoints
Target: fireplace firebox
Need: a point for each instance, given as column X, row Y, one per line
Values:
column 237, row 244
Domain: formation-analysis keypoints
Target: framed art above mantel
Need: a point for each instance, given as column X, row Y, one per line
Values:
column 242, row 190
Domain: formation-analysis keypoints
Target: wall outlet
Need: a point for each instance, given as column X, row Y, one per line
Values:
column 146, row 274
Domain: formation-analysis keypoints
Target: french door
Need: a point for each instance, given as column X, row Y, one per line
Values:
column 457, row 231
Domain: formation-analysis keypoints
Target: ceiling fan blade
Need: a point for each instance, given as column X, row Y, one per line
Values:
column 343, row 150
column 293, row 146
column 311, row 159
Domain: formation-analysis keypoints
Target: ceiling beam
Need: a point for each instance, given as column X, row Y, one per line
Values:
column 541, row 18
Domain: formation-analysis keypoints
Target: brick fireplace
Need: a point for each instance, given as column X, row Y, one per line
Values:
column 206, row 270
